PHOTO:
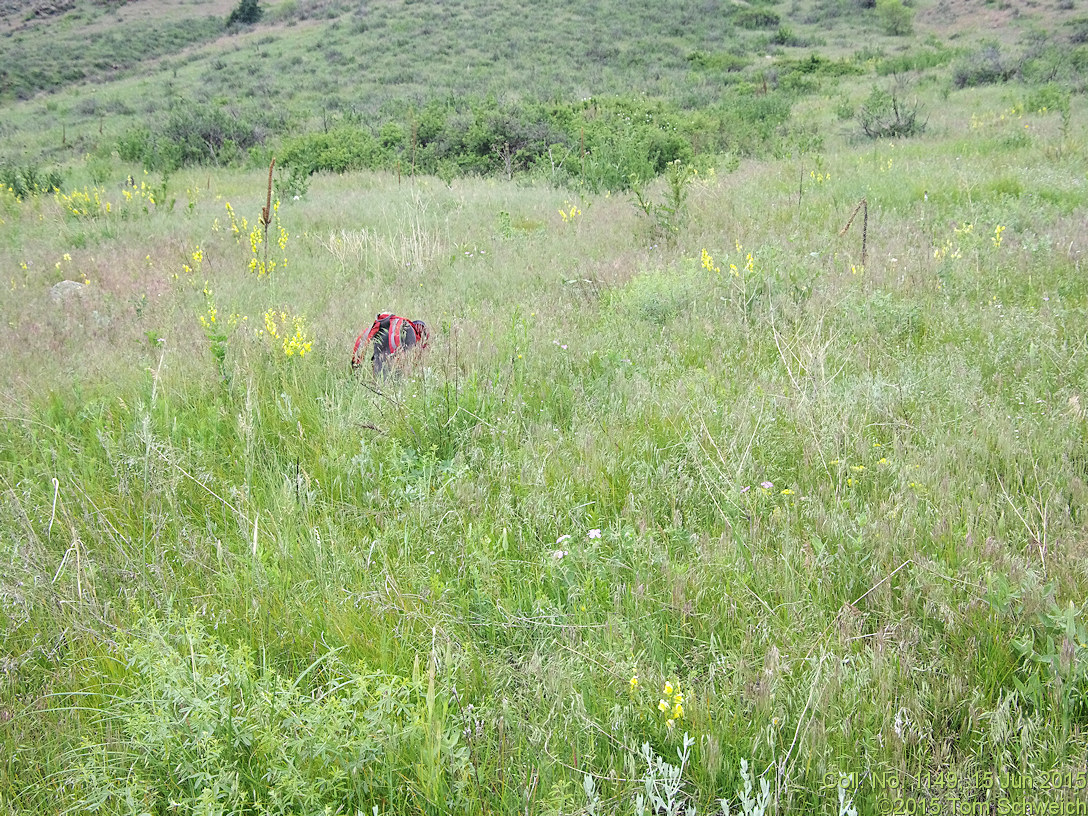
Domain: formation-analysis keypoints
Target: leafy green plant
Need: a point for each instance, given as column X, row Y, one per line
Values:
column 292, row 184
column 1054, row 673
column 29, row 179
column 215, row 330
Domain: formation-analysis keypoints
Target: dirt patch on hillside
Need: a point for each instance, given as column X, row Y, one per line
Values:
column 1001, row 20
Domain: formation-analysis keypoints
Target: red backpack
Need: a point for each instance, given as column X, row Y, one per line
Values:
column 390, row 335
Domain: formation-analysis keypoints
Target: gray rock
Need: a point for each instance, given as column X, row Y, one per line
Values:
column 64, row 290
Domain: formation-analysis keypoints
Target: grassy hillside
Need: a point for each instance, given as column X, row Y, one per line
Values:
column 459, row 87
column 750, row 452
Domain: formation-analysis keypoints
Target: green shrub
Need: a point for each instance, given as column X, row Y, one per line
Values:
column 717, row 61
column 192, row 134
column 888, row 115
column 247, row 12
column 1050, row 62
column 896, row 19
column 1049, row 97
column 919, row 60
column 985, row 66
column 754, row 19
column 600, row 143
column 748, row 123
column 814, row 66
column 785, row 37
column 1078, row 30
column 340, row 150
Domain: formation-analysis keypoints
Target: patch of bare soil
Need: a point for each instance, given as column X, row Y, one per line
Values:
column 993, row 19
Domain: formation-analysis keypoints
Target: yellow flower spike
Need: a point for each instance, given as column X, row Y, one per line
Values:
column 634, row 679
column 668, row 689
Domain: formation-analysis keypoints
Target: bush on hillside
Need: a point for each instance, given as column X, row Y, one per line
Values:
column 754, row 19
column 717, row 61
column 889, row 115
column 1078, row 31
column 339, row 150
column 247, row 12
column 986, row 66
column 916, row 60
column 600, row 144
column 896, row 19
column 192, row 135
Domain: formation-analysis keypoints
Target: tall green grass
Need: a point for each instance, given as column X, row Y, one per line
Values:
column 694, row 485
column 837, row 507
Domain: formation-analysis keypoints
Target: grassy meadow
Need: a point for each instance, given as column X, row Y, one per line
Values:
column 752, row 483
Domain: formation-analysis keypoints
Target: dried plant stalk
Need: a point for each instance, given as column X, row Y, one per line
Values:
column 863, row 205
